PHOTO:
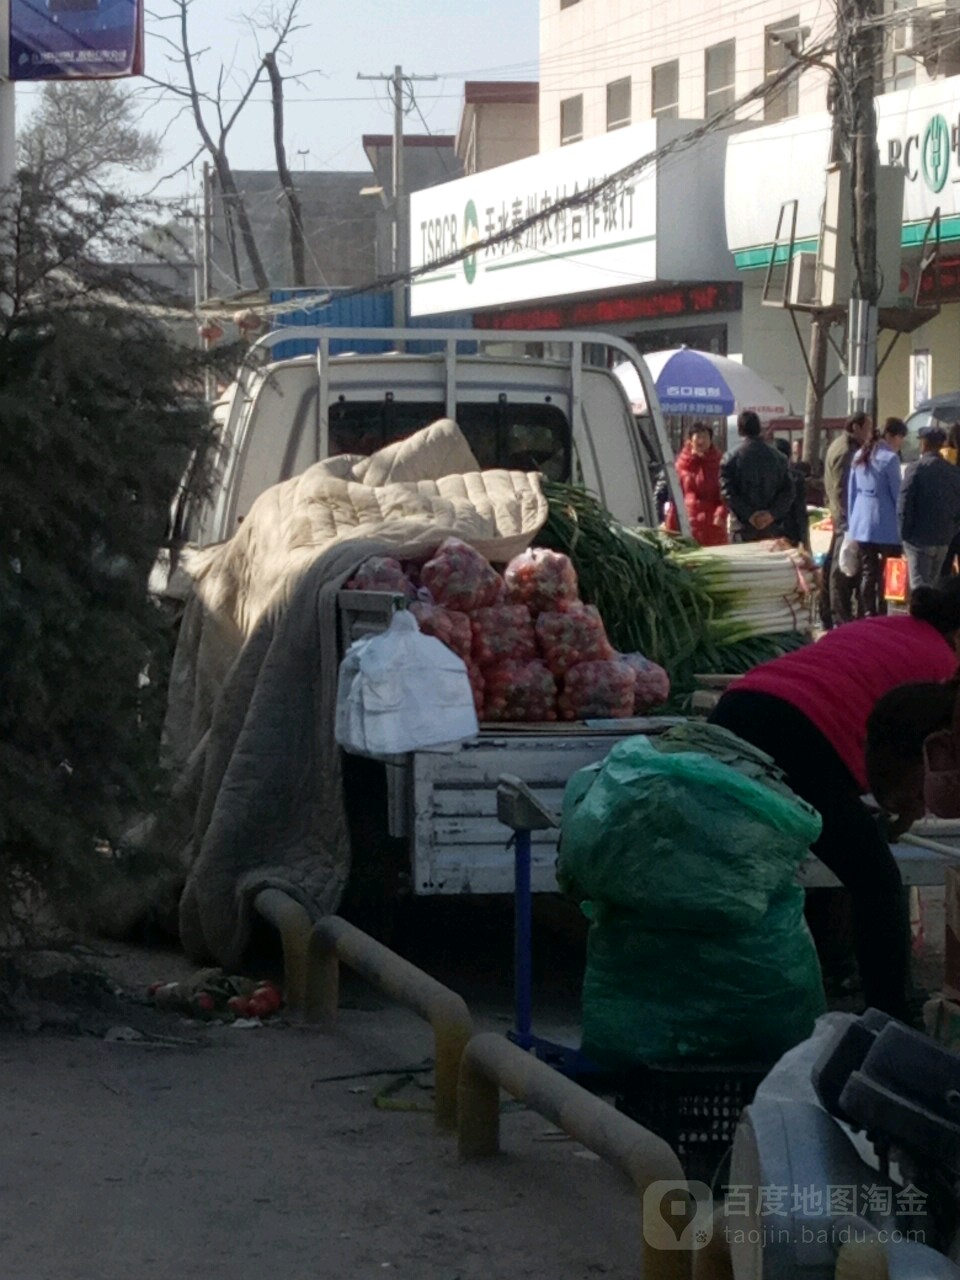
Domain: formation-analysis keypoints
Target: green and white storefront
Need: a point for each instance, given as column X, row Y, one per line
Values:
column 918, row 130
column 647, row 260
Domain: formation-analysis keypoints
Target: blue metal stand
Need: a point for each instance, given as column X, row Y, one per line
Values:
column 516, row 804
column 522, row 942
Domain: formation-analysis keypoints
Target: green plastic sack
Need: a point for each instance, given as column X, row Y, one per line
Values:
column 682, row 840
column 658, row 996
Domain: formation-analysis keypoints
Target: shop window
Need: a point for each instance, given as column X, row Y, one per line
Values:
column 618, row 103
column 899, row 68
column 719, row 69
column 781, row 44
column 665, row 90
column 571, row 120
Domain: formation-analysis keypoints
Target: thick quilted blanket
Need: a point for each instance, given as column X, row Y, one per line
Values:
column 251, row 703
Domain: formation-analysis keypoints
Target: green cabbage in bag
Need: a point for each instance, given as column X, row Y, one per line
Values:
column 682, row 840
column 662, row 995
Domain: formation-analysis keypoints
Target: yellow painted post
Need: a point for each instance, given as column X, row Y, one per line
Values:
column 491, row 1062
column 335, row 941
column 292, row 921
column 322, row 993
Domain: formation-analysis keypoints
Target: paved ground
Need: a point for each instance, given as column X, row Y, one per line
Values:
column 208, row 1151
column 236, row 1156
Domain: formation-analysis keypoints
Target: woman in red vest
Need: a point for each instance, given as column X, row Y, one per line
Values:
column 698, row 467
column 810, row 711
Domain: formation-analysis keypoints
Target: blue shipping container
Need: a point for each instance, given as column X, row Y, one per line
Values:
column 355, row 311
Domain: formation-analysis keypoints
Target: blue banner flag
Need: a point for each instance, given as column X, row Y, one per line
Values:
column 75, row 39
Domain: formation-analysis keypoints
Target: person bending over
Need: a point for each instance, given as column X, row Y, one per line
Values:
column 809, row 710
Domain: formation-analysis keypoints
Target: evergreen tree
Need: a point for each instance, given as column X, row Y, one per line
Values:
column 100, row 411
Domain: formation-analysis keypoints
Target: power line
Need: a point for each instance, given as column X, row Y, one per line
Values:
column 585, row 197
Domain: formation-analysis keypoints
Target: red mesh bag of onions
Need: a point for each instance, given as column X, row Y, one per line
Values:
column 381, row 573
column 458, row 577
column 543, row 580
column 651, row 686
column 574, row 636
column 448, row 625
column 502, row 632
column 600, row 690
column 519, row 691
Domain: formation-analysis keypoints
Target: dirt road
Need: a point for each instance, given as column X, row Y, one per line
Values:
column 234, row 1155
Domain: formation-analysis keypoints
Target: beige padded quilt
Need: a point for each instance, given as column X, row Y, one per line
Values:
column 249, row 729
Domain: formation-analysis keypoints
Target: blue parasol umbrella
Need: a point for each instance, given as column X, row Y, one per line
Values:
column 701, row 384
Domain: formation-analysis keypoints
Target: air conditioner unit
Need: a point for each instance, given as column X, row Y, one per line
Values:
column 803, row 280
column 836, row 257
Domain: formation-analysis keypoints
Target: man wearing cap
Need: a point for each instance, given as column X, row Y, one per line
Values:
column 929, row 509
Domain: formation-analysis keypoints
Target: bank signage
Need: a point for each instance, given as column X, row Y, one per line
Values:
column 607, row 240
column 918, row 130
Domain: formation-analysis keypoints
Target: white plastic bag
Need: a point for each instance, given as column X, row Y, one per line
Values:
column 849, row 557
column 400, row 690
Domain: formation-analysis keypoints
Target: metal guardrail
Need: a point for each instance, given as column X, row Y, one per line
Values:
column 312, row 956
column 334, row 942
column 292, row 921
column 492, row 1063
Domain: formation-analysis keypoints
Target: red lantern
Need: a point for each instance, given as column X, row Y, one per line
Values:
column 210, row 331
column 247, row 321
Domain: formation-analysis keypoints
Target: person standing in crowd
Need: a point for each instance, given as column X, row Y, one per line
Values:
column 698, row 467
column 929, row 509
column 872, row 495
column 840, row 594
column 755, row 484
column 951, row 452
column 797, row 523
column 809, row 711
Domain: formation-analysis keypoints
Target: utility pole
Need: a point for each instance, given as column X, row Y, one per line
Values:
column 859, row 48
column 8, row 137
column 820, row 325
column 399, row 199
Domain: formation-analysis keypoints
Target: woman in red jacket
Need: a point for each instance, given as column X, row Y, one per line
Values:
column 698, row 466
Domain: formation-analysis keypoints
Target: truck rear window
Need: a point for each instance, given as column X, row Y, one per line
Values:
column 521, row 437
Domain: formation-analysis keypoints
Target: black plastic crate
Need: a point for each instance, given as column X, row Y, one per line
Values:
column 694, row 1107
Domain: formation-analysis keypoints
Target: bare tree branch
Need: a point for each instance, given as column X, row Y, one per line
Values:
column 294, row 210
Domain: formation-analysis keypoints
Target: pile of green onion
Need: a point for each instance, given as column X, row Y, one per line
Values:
column 693, row 610
column 757, row 589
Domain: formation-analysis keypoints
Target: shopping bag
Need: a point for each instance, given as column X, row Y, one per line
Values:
column 400, row 690
column 896, row 582
column 849, row 557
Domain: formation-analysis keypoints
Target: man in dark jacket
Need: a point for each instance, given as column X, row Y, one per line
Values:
column 838, row 591
column 929, row 509
column 756, row 485
column 797, row 522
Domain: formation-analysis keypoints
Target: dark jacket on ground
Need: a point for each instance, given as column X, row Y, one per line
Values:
column 755, row 477
column 836, row 477
column 929, row 506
